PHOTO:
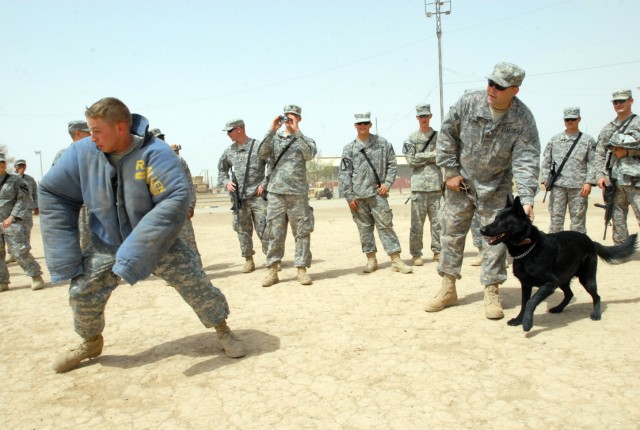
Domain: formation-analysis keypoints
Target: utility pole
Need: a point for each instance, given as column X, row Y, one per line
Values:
column 39, row 153
column 438, row 11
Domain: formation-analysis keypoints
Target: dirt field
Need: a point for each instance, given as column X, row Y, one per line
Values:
column 350, row 351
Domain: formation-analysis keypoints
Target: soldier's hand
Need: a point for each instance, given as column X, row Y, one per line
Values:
column 259, row 190
column 231, row 187
column 7, row 222
column 528, row 209
column 620, row 152
column 453, row 183
column 36, row 211
column 383, row 191
column 292, row 124
column 353, row 204
column 602, row 183
column 586, row 190
column 190, row 213
column 276, row 124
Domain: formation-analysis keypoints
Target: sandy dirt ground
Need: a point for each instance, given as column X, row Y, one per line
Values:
column 351, row 351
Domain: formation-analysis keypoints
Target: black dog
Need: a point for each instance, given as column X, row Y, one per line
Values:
column 551, row 260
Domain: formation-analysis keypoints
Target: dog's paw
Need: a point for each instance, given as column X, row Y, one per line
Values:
column 595, row 316
column 556, row 309
column 527, row 324
column 514, row 322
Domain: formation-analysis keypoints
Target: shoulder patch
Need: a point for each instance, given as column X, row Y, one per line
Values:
column 345, row 164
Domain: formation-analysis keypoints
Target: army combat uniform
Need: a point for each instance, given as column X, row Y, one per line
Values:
column 426, row 190
column 15, row 203
column 250, row 173
column 187, row 233
column 577, row 171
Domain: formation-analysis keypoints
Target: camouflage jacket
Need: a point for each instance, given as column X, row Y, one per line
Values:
column 290, row 174
column 426, row 175
column 626, row 171
column 236, row 157
column 490, row 155
column 33, row 191
column 357, row 179
column 579, row 167
column 14, row 198
column 193, row 198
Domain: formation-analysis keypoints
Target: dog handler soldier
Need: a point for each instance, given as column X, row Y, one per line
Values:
column 367, row 171
column 287, row 152
column 618, row 159
column 242, row 157
column 488, row 139
column 15, row 206
column 138, row 200
column 426, row 185
column 572, row 152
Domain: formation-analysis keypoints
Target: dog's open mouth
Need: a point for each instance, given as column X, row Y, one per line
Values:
column 495, row 239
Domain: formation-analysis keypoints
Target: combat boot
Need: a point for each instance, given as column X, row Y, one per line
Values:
column 417, row 261
column 249, row 265
column 447, row 296
column 397, row 265
column 372, row 263
column 478, row 260
column 436, row 256
column 233, row 347
column 303, row 276
column 10, row 259
column 37, row 283
column 272, row 276
column 4, row 287
column 492, row 305
column 89, row 348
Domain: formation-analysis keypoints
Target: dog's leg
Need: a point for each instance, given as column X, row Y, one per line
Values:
column 568, row 295
column 544, row 291
column 587, row 278
column 526, row 295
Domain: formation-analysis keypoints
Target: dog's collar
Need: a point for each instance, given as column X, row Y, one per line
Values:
column 527, row 239
column 524, row 254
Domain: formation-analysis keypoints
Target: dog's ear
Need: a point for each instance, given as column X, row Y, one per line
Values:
column 517, row 207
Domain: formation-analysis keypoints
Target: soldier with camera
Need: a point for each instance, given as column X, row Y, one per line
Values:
column 249, row 188
column 287, row 152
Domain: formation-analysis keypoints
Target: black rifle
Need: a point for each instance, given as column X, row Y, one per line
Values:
column 607, row 196
column 235, row 195
column 551, row 180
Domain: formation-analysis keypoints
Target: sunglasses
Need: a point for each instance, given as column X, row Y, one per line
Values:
column 423, row 116
column 496, row 86
column 570, row 119
column 364, row 123
column 619, row 102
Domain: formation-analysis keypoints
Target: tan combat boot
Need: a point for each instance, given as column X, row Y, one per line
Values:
column 272, row 276
column 397, row 265
column 37, row 283
column 417, row 261
column 249, row 265
column 233, row 347
column 303, row 276
column 478, row 260
column 436, row 256
column 4, row 287
column 447, row 296
column 89, row 348
column 372, row 263
column 492, row 305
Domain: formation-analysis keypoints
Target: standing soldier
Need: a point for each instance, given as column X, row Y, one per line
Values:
column 569, row 157
column 250, row 186
column 20, row 166
column 426, row 185
column 488, row 139
column 15, row 207
column 617, row 162
column 367, row 171
column 287, row 153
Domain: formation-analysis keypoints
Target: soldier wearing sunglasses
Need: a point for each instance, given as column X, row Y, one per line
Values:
column 488, row 140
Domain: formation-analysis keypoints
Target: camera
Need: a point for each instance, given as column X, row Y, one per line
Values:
column 284, row 118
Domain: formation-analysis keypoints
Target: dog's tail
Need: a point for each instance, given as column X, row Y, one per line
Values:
column 618, row 253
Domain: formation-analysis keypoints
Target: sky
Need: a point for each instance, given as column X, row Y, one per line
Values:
column 191, row 66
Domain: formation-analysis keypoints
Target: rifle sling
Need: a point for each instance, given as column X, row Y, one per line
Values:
column 426, row 145
column 6, row 176
column 566, row 157
column 366, row 157
column 286, row 148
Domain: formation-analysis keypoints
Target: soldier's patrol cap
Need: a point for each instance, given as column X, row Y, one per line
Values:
column 293, row 109
column 621, row 95
column 572, row 113
column 157, row 133
column 361, row 117
column 423, row 109
column 78, row 126
column 233, row 124
column 20, row 162
column 2, row 158
column 507, row 75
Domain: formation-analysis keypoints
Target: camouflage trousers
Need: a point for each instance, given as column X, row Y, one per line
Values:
column 189, row 236
column 424, row 204
column 89, row 292
column 252, row 216
column 15, row 240
column 285, row 209
column 475, row 231
column 625, row 195
column 374, row 212
column 457, row 217
column 562, row 197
